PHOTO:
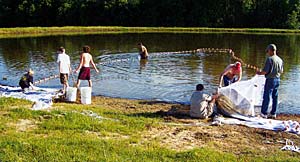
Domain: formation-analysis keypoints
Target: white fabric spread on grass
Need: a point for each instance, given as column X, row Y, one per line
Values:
column 257, row 122
column 42, row 97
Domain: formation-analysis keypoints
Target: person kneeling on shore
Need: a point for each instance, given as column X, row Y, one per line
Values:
column 26, row 80
column 202, row 105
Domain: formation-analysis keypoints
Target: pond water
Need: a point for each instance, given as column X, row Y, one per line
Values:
column 169, row 77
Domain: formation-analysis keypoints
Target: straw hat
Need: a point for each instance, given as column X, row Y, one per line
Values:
column 30, row 71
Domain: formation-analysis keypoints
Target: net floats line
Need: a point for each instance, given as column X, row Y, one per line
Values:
column 202, row 50
column 242, row 62
column 45, row 79
column 215, row 50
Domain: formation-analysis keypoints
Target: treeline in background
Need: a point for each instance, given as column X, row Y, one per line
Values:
column 167, row 13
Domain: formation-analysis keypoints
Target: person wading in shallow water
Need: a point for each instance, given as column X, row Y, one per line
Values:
column 84, row 66
column 231, row 74
column 143, row 51
column 63, row 61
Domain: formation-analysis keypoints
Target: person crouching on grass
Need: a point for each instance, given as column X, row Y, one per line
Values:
column 84, row 66
column 26, row 81
column 202, row 105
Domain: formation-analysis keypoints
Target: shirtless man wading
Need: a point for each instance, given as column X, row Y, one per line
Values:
column 84, row 66
column 143, row 51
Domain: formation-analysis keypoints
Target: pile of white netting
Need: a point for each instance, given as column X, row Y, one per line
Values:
column 246, row 95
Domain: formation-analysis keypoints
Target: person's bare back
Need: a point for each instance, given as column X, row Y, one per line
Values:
column 84, row 66
column 86, row 59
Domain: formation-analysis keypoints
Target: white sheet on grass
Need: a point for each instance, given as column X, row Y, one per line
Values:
column 42, row 97
column 257, row 122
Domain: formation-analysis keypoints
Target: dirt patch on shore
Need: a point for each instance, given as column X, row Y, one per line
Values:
column 24, row 125
column 179, row 132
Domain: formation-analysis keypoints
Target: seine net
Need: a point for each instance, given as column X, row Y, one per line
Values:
column 245, row 95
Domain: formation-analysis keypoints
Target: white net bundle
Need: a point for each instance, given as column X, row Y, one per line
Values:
column 246, row 95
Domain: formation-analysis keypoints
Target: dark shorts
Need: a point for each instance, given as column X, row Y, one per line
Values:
column 63, row 78
column 143, row 56
column 228, row 81
column 85, row 73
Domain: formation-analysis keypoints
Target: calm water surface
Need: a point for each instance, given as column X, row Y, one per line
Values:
column 163, row 77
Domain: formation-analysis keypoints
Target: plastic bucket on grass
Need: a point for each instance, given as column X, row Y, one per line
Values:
column 71, row 94
column 86, row 95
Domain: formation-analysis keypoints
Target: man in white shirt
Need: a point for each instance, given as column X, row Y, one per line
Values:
column 63, row 61
column 201, row 104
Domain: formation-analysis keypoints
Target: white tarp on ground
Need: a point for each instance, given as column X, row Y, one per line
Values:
column 257, row 122
column 246, row 94
column 42, row 97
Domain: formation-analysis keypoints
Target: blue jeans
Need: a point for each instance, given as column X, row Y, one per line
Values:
column 228, row 81
column 271, row 88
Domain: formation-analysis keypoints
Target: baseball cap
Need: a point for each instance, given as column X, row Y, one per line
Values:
column 237, row 64
column 271, row 47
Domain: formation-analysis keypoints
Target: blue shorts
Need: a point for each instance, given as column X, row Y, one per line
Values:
column 227, row 81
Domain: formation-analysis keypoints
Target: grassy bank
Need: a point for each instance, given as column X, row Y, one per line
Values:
column 70, row 30
column 127, row 130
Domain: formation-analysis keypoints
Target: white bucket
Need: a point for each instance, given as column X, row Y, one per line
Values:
column 86, row 95
column 71, row 94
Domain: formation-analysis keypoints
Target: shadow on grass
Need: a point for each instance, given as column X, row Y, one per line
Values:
column 176, row 111
column 153, row 102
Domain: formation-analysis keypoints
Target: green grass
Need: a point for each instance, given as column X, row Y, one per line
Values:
column 75, row 30
column 64, row 134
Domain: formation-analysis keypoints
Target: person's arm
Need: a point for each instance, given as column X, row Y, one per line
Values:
column 261, row 73
column 93, row 64
column 222, row 75
column 266, row 68
column 145, row 50
column 30, row 79
column 240, row 75
column 69, row 65
column 59, row 62
column 281, row 69
column 207, row 97
column 80, row 64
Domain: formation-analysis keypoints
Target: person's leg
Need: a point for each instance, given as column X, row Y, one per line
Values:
column 266, row 96
column 65, row 82
column 276, row 83
column 226, row 80
column 78, row 83
column 90, row 83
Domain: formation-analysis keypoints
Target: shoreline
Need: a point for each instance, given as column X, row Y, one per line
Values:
column 81, row 30
column 137, row 125
column 96, row 97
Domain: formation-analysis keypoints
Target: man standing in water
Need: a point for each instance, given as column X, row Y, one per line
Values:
column 63, row 61
column 143, row 51
column 272, row 70
column 232, row 74
column 84, row 66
